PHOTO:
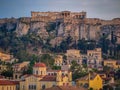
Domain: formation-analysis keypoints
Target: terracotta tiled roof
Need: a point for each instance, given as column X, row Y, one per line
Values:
column 39, row 65
column 54, row 70
column 58, row 71
column 15, row 82
column 28, row 75
column 48, row 78
column 7, row 82
column 66, row 88
column 86, row 77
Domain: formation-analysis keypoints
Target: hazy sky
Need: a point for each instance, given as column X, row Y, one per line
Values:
column 105, row 9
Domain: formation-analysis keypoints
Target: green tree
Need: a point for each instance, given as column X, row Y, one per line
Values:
column 91, row 89
column 56, row 67
column 63, row 46
column 30, row 67
column 77, row 71
column 47, row 59
column 7, row 73
column 82, row 45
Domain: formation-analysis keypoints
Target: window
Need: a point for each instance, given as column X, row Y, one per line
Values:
column 29, row 86
column 54, row 85
column 43, row 86
column 52, row 74
column 15, row 76
column 81, row 84
column 36, row 72
column 34, row 87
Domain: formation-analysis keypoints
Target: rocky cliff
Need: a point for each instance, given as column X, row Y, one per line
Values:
column 56, row 31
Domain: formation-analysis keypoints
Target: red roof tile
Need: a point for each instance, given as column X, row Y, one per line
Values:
column 7, row 82
column 66, row 88
column 28, row 75
column 39, row 65
column 1, row 77
column 48, row 78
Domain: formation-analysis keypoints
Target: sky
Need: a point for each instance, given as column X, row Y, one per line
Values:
column 104, row 9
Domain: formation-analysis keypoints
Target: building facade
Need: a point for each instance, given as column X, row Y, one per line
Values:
column 93, row 58
column 19, row 68
column 42, row 78
column 58, row 60
column 112, row 63
column 8, row 85
column 93, row 81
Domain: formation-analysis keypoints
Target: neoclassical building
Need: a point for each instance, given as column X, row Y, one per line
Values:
column 42, row 78
column 93, row 58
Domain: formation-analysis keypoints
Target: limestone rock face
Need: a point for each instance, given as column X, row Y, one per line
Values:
column 22, row 28
column 39, row 28
column 91, row 29
column 8, row 24
column 60, row 29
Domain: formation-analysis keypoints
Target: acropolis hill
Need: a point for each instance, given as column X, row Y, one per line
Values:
column 67, row 16
column 59, row 25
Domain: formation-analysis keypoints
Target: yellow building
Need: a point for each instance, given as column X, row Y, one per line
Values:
column 58, row 60
column 95, row 82
column 73, row 52
column 41, row 78
column 90, row 81
column 8, row 85
column 112, row 63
